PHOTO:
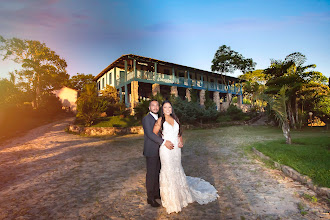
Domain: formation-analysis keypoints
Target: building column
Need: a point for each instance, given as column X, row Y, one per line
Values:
column 188, row 96
column 155, row 73
column 216, row 99
column 202, row 97
column 188, row 76
column 134, row 95
column 126, row 96
column 125, row 77
column 228, row 97
column 155, row 89
column 121, row 94
column 134, row 68
column 240, row 100
column 174, row 91
column 114, row 77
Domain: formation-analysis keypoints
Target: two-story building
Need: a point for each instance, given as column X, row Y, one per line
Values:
column 137, row 77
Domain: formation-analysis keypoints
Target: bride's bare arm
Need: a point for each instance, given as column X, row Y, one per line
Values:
column 180, row 141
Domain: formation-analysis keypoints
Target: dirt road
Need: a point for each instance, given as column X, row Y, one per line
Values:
column 51, row 174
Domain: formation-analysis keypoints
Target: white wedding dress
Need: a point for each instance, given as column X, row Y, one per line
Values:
column 177, row 189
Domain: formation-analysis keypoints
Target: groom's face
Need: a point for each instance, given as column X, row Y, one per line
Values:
column 154, row 107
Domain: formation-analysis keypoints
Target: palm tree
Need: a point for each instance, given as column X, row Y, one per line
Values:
column 292, row 73
column 279, row 106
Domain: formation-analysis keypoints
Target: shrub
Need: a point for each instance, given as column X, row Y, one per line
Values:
column 143, row 107
column 233, row 114
column 190, row 112
column 89, row 105
column 50, row 105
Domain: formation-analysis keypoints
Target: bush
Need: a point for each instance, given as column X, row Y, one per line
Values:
column 142, row 108
column 191, row 112
column 89, row 105
column 116, row 109
column 116, row 121
column 50, row 105
column 233, row 114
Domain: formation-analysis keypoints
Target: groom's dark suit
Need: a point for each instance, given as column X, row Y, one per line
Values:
column 151, row 152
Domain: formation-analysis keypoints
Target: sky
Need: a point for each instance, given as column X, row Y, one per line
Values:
column 90, row 35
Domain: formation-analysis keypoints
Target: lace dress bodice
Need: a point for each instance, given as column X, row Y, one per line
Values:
column 177, row 189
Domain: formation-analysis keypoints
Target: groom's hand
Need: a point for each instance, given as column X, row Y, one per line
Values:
column 169, row 144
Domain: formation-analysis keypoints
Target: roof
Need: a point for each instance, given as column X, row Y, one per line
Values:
column 148, row 59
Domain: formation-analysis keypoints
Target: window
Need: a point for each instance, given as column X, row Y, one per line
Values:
column 110, row 79
column 98, row 85
column 102, row 83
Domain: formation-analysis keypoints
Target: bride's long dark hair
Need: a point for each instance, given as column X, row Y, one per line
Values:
column 173, row 115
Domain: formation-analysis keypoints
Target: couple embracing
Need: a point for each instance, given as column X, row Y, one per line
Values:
column 165, row 179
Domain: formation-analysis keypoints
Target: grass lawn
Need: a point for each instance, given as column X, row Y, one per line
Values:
column 116, row 121
column 308, row 155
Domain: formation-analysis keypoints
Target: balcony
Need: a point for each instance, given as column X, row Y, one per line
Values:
column 170, row 80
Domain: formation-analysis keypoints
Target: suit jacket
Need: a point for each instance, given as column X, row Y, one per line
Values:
column 151, row 140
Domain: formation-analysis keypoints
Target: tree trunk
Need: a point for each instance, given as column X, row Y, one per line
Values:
column 38, row 92
column 291, row 118
column 297, row 116
column 286, row 131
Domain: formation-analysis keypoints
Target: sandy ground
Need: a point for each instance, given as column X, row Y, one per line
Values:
column 51, row 174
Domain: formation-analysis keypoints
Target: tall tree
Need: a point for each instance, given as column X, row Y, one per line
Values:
column 80, row 80
column 279, row 106
column 254, row 85
column 227, row 60
column 42, row 69
column 292, row 73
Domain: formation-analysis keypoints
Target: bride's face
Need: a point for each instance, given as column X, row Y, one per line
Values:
column 167, row 109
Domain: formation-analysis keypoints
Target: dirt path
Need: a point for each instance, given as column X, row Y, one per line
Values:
column 50, row 174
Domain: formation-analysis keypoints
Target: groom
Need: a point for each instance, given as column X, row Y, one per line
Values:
column 151, row 152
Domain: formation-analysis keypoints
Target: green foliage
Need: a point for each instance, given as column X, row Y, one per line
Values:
column 233, row 114
column 309, row 156
column 246, row 101
column 10, row 95
column 257, row 76
column 79, row 81
column 111, row 94
column 227, row 60
column 187, row 112
column 42, row 69
column 142, row 108
column 311, row 198
column 305, row 87
column 114, row 107
column 117, row 121
column 89, row 105
column 191, row 112
column 49, row 105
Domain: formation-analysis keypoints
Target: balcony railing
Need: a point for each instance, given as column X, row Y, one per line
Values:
column 179, row 81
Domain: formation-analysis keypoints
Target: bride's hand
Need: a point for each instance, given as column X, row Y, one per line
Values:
column 180, row 144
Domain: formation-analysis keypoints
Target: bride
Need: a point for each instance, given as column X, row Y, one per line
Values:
column 177, row 189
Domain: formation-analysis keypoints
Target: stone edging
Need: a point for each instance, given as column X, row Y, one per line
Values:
column 100, row 131
column 288, row 171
